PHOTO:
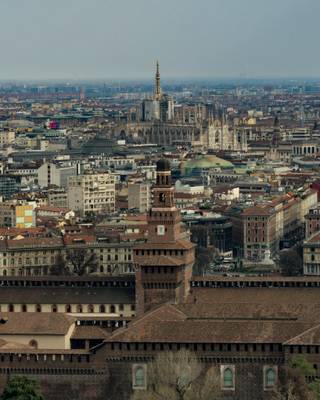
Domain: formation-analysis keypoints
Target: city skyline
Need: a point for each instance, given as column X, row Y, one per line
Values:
column 112, row 40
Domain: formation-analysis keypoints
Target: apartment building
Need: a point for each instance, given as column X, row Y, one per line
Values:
column 17, row 214
column 58, row 198
column 139, row 196
column 92, row 193
column 311, row 255
column 7, row 137
column 50, row 174
column 37, row 255
column 312, row 221
column 260, row 234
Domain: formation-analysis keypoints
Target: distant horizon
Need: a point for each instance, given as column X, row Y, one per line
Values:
column 165, row 80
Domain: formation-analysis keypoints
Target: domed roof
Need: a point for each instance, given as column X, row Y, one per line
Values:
column 206, row 162
column 163, row 165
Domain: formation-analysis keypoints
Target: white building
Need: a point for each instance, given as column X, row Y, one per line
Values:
column 92, row 193
column 54, row 174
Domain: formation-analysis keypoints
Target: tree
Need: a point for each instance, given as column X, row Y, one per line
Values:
column 60, row 268
column 293, row 384
column 204, row 257
column 291, row 262
column 179, row 376
column 21, row 388
column 82, row 261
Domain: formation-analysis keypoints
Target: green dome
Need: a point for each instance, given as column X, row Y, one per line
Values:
column 206, row 162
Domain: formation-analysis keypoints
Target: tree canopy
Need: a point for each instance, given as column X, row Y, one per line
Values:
column 21, row 388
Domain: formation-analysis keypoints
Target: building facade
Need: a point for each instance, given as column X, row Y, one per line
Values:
column 92, row 193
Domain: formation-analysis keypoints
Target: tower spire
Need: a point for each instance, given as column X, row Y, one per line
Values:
column 157, row 89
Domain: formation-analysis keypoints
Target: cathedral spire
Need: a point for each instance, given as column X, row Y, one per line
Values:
column 157, row 89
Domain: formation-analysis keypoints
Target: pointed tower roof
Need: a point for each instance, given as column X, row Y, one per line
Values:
column 157, row 88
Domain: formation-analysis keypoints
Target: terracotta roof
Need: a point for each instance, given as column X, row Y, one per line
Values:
column 79, row 239
column 257, row 211
column 256, row 295
column 162, row 260
column 168, row 324
column 34, row 242
column 35, row 323
column 11, row 232
column 252, row 311
column 315, row 238
column 311, row 336
column 89, row 332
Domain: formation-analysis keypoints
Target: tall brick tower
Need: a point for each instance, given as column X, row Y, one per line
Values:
column 164, row 262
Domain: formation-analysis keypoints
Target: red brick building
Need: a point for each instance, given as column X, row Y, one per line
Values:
column 164, row 263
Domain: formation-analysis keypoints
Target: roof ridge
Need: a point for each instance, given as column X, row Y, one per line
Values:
column 149, row 313
column 302, row 333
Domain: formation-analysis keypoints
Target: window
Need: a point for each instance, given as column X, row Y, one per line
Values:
column 68, row 308
column 54, row 308
column 269, row 377
column 112, row 309
column 90, row 308
column 38, row 308
column 79, row 308
column 33, row 343
column 139, row 376
column 102, row 308
column 24, row 308
column 227, row 377
column 11, row 308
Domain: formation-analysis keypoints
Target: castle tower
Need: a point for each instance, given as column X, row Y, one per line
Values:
column 157, row 87
column 164, row 262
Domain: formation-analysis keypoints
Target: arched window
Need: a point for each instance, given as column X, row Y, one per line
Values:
column 79, row 308
column 90, row 308
column 24, row 308
column 54, row 308
column 102, row 308
column 139, row 376
column 228, row 378
column 11, row 308
column 112, row 309
column 38, row 308
column 270, row 377
column 33, row 343
column 68, row 308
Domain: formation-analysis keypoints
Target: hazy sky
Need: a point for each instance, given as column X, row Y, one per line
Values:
column 79, row 39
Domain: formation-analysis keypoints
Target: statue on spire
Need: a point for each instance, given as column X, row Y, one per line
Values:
column 157, row 89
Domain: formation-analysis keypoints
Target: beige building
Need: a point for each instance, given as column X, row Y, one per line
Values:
column 92, row 193
column 53, row 174
column 139, row 196
column 36, row 256
column 83, row 302
column 7, row 137
column 58, row 198
column 38, row 330
column 311, row 255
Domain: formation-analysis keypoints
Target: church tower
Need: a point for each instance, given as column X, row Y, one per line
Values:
column 164, row 262
column 157, row 87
